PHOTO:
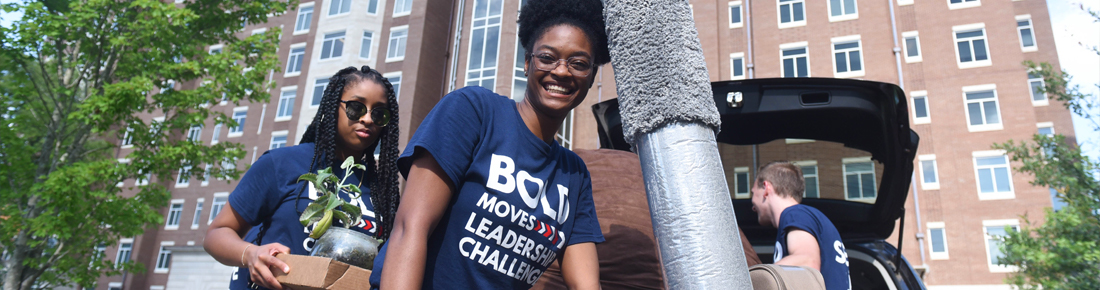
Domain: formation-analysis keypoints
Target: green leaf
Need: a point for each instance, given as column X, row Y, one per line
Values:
column 343, row 217
column 348, row 163
column 312, row 210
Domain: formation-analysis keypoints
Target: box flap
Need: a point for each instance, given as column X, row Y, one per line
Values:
column 308, row 272
column 353, row 278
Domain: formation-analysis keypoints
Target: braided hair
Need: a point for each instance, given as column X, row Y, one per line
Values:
column 383, row 174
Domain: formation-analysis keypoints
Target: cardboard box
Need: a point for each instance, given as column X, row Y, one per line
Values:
column 319, row 273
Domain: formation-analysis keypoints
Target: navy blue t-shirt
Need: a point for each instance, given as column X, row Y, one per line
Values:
column 519, row 202
column 834, row 259
column 267, row 192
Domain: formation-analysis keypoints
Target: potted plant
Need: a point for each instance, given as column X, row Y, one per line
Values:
column 342, row 244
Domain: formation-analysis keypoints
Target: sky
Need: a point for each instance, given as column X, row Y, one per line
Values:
column 1071, row 26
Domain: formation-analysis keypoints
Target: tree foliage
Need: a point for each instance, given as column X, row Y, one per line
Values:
column 76, row 77
column 1063, row 252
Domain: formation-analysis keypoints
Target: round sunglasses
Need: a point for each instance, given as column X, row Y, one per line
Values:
column 355, row 110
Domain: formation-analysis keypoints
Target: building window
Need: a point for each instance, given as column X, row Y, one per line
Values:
column 809, row 174
column 970, row 46
column 859, row 178
column 992, row 172
column 484, row 43
column 127, row 138
column 114, row 286
column 1046, row 129
column 519, row 79
column 372, row 7
column 337, row 7
column 294, row 62
column 395, row 81
column 920, row 108
column 164, row 258
column 1027, row 34
column 742, row 183
column 937, row 240
column 194, row 133
column 318, row 91
column 848, row 59
column 1035, row 82
column 737, row 66
column 198, row 214
column 124, row 249
column 402, row 7
column 994, row 231
column 333, row 45
column 278, row 139
column 930, row 179
column 912, row 46
column 564, row 136
column 982, row 111
column 735, row 14
column 239, row 116
column 365, row 46
column 286, row 104
column 840, row 10
column 796, row 62
column 219, row 202
column 791, row 13
column 172, row 221
column 305, row 17
column 217, row 133
column 396, row 47
column 184, row 177
column 959, row 4
column 216, row 49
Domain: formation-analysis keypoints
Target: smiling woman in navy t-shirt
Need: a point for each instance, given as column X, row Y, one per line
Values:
column 492, row 199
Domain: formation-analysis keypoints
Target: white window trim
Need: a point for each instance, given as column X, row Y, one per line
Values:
column 844, row 17
column 156, row 264
column 905, row 47
column 312, row 88
column 291, row 53
column 183, row 183
column 779, row 19
column 850, row 73
column 955, row 44
column 817, row 182
column 216, row 196
column 157, row 287
column 122, row 161
column 373, row 41
column 985, row 238
column 231, row 134
column 390, row 39
column 963, row 4
column 300, row 6
column 403, row 13
column 798, row 141
column 1010, row 194
column 168, row 218
column 736, row 194
column 377, row 8
column 470, row 51
column 216, row 46
column 279, row 105
column 283, row 133
column 328, row 8
column 844, row 171
column 802, row 44
column 996, row 98
column 741, row 10
column 118, row 250
column 196, row 213
column 934, row 255
column 1042, row 82
column 1046, row 125
column 905, row 2
column 935, row 171
column 259, row 30
column 321, row 48
column 390, row 75
column 114, row 285
column 1034, row 40
column 926, row 119
column 733, row 56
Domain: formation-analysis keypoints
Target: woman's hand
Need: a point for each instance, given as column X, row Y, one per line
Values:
column 260, row 260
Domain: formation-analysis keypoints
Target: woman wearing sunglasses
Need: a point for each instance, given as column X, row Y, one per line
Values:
column 357, row 114
column 491, row 198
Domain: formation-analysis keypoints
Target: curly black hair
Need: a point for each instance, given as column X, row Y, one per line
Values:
column 537, row 16
column 383, row 174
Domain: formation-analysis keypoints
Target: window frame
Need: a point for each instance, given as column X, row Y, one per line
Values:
column 740, row 14
column 395, row 84
column 407, row 8
column 734, row 66
column 1031, row 90
column 843, row 16
column 995, row 195
column 874, row 182
column 315, row 99
column 295, row 60
column 224, row 196
column 194, row 134
column 955, row 30
column 377, row 5
column 738, row 171
column 793, row 23
column 183, row 177
column 368, row 44
column 276, row 134
column 935, row 172
column 986, row 224
column 329, row 36
column 997, row 104
column 963, row 4
column 198, row 213
column 128, row 245
column 913, row 96
column 847, row 56
column 214, row 139
column 816, row 176
column 402, row 44
column 279, row 116
column 792, row 46
column 308, row 22
column 338, row 13
column 905, row 36
column 175, row 214
column 931, row 250
column 486, row 72
column 238, row 131
column 164, row 258
column 1020, row 33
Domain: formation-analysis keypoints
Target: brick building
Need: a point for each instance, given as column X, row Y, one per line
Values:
column 959, row 61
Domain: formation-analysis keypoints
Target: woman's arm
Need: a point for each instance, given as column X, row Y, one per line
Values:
column 580, row 267
column 223, row 242
column 427, row 195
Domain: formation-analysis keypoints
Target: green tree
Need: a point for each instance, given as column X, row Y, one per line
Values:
column 76, row 77
column 1064, row 251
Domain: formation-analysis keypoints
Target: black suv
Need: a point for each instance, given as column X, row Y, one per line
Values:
column 853, row 141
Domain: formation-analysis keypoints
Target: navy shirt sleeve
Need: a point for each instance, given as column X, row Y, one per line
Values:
column 450, row 132
column 586, row 228
column 256, row 197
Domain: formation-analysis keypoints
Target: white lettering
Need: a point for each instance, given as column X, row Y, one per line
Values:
column 485, row 202
column 531, row 200
column 478, row 250
column 483, row 227
column 470, row 222
column 501, row 166
column 509, row 239
column 496, row 235
column 841, row 254
column 501, row 209
column 463, row 241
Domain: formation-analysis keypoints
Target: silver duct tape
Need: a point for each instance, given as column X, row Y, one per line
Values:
column 689, row 203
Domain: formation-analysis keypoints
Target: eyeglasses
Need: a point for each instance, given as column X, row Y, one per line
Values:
column 578, row 65
column 355, row 110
